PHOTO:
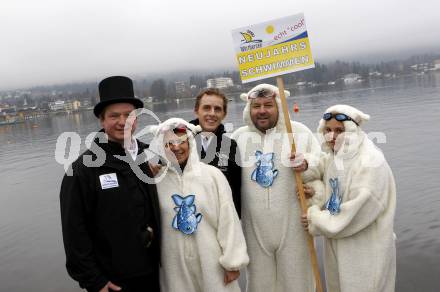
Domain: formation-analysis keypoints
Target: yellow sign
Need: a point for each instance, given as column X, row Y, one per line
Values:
column 272, row 48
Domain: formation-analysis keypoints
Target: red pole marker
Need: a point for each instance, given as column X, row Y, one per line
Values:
column 295, row 107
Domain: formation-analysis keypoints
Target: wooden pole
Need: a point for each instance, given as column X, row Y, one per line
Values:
column 299, row 183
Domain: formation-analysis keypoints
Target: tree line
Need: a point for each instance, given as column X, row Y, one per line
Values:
column 164, row 88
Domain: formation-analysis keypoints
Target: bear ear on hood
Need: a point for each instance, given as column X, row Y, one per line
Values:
column 195, row 129
column 151, row 129
column 244, row 96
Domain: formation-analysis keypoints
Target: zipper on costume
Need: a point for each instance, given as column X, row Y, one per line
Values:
column 268, row 193
column 268, row 198
column 180, row 178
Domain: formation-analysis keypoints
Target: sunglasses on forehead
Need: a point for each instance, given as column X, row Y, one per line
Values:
column 176, row 142
column 264, row 93
column 338, row 117
column 180, row 129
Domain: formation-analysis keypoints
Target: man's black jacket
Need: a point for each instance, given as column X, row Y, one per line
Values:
column 223, row 154
column 104, row 222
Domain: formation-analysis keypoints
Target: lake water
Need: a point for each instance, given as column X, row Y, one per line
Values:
column 406, row 110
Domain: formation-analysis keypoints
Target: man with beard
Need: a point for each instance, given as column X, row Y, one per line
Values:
column 277, row 245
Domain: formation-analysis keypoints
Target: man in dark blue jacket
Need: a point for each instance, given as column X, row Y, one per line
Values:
column 213, row 146
column 110, row 217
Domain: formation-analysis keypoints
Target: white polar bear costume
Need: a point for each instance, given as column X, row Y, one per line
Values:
column 196, row 262
column 360, row 253
column 277, row 244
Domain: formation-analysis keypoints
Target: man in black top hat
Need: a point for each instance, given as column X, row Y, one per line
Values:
column 110, row 218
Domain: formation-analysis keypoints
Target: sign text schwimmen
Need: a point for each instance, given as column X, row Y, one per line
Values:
column 272, row 48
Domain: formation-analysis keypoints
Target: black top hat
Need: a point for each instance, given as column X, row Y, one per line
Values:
column 116, row 89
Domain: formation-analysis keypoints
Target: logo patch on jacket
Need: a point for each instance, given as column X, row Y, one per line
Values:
column 186, row 219
column 108, row 181
column 334, row 203
column 264, row 174
column 223, row 159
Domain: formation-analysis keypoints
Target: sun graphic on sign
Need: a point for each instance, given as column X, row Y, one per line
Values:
column 270, row 29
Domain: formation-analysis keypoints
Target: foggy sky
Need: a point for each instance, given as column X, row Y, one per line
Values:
column 55, row 41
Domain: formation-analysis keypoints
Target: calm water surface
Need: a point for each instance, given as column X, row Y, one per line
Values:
column 405, row 110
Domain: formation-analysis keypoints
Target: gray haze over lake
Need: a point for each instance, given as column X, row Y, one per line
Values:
column 406, row 110
column 53, row 42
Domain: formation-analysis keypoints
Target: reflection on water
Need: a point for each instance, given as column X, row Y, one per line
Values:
column 406, row 110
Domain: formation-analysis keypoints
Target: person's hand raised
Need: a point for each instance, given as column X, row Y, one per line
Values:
column 155, row 168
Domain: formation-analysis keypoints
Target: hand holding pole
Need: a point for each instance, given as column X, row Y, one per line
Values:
column 299, row 184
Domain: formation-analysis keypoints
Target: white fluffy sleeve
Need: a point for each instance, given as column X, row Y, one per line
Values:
column 317, row 172
column 229, row 233
column 366, row 199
